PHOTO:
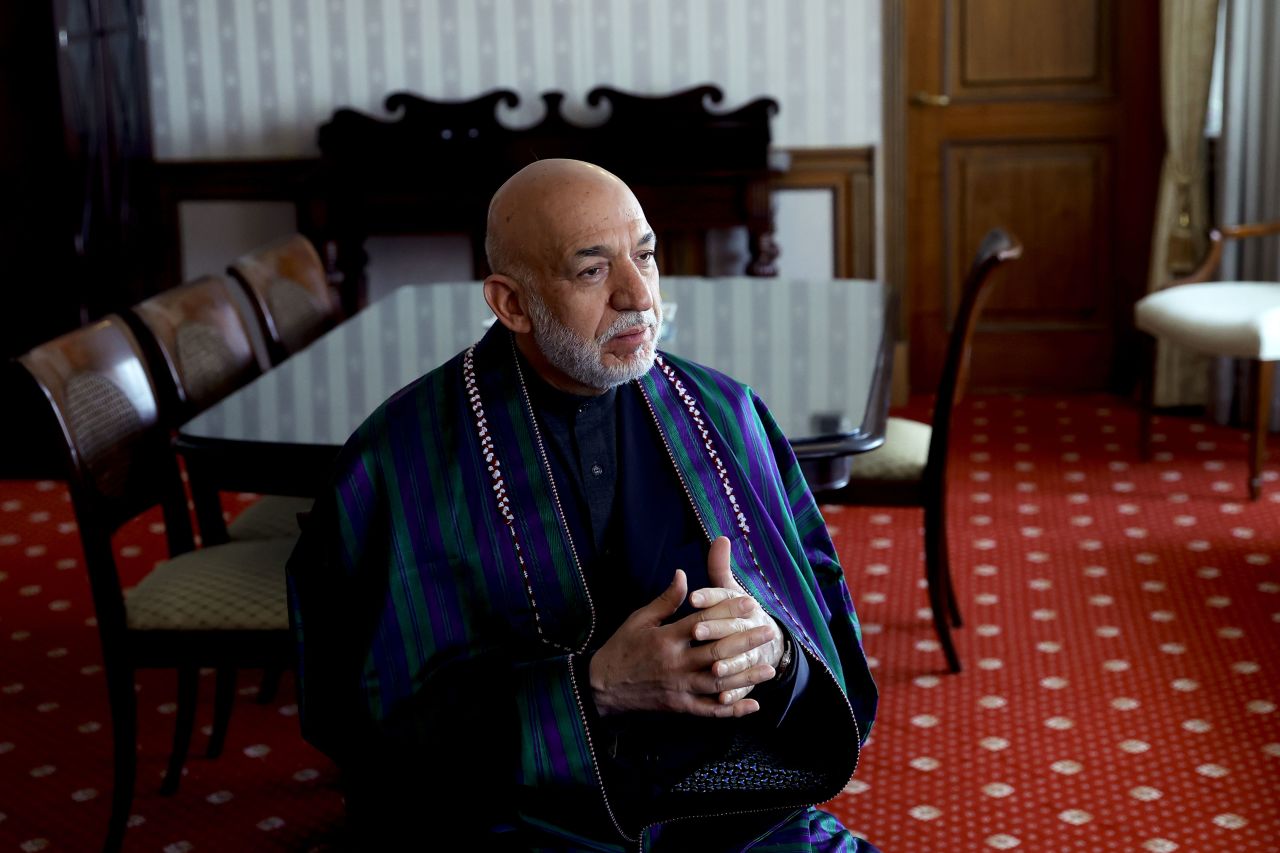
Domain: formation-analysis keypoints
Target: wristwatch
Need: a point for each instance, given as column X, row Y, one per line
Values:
column 784, row 662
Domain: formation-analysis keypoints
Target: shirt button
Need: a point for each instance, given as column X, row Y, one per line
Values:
column 596, row 469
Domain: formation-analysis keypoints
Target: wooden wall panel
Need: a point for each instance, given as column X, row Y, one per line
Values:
column 1028, row 48
column 849, row 174
column 1057, row 197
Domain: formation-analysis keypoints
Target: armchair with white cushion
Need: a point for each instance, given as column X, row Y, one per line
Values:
column 1236, row 319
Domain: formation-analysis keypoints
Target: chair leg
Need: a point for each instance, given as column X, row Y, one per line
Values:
column 270, row 685
column 953, row 609
column 942, row 553
column 937, row 578
column 224, row 698
column 124, row 728
column 1146, row 392
column 1264, row 375
column 184, row 721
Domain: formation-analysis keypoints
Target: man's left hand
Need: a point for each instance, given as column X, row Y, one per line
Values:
column 724, row 587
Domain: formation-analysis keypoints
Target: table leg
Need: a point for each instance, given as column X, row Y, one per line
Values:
column 213, row 527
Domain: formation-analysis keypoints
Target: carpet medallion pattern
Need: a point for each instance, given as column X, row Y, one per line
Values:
column 1120, row 646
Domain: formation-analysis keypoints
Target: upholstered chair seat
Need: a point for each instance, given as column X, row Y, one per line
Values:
column 1239, row 319
column 902, row 457
column 238, row 586
column 271, row 517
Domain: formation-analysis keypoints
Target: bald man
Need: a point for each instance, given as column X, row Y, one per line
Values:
column 567, row 592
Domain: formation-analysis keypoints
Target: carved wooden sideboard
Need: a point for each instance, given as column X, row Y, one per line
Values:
column 433, row 166
column 430, row 167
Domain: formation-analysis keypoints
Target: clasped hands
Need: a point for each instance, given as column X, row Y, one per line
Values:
column 705, row 664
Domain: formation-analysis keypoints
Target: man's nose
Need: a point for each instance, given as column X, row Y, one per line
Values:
column 632, row 292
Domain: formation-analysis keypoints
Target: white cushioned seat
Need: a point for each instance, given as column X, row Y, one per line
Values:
column 270, row 517
column 901, row 457
column 1239, row 318
column 236, row 586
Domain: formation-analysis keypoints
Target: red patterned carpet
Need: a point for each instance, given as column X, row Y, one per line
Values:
column 1120, row 690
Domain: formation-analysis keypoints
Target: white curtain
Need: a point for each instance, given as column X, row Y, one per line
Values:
column 1188, row 30
column 1249, row 155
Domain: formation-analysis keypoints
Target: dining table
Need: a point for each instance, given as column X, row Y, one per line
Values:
column 819, row 353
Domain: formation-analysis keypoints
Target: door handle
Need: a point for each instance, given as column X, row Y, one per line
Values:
column 927, row 99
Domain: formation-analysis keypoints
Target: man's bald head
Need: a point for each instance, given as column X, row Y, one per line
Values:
column 542, row 202
column 575, row 276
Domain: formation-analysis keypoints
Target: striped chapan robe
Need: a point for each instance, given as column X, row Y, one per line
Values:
column 442, row 619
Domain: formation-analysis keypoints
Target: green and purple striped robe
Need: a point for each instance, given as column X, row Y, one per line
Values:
column 439, row 606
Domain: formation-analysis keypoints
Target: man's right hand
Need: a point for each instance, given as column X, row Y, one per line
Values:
column 648, row 666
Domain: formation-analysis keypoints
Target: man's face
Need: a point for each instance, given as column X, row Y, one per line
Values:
column 593, row 300
column 586, row 360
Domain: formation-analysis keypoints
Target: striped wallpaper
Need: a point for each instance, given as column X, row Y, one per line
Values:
column 254, row 78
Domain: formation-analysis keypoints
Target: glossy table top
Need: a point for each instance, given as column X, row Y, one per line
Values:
column 813, row 351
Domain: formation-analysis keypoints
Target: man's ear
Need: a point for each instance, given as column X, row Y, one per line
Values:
column 504, row 297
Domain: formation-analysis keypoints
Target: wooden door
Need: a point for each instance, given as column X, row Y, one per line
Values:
column 1041, row 116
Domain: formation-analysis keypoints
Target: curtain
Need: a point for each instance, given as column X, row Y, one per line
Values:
column 1250, row 169
column 1187, row 34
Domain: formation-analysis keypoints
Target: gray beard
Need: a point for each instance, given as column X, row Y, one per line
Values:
column 581, row 359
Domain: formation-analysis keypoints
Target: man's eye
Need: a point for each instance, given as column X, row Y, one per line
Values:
column 590, row 272
column 647, row 256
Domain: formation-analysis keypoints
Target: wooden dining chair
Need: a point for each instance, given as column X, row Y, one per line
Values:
column 207, row 351
column 289, row 288
column 221, row 606
column 910, row 468
column 203, row 343
column 201, row 348
column 1237, row 319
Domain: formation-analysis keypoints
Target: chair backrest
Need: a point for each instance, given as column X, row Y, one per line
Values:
column 997, row 247
column 203, row 342
column 1217, row 237
column 119, row 461
column 289, row 288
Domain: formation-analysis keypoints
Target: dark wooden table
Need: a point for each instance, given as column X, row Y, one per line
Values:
column 816, row 352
